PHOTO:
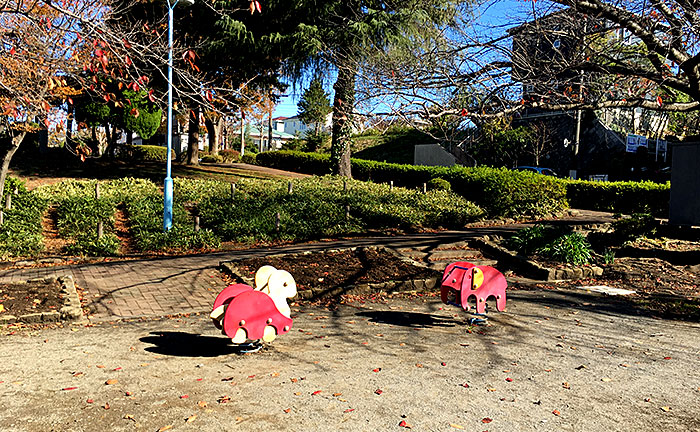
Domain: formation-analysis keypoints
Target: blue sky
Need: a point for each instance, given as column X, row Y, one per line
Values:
column 495, row 14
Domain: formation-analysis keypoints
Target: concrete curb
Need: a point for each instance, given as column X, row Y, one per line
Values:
column 533, row 269
column 71, row 309
column 390, row 287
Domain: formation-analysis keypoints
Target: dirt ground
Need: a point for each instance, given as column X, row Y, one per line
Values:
column 555, row 361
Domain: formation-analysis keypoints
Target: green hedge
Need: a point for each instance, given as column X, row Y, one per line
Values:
column 620, row 197
column 144, row 153
column 500, row 191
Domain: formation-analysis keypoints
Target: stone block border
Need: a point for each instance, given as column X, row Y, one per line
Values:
column 531, row 268
column 391, row 287
column 71, row 309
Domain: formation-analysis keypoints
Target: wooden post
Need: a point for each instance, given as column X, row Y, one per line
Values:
column 233, row 190
column 97, row 191
column 8, row 202
column 277, row 221
column 425, row 188
column 289, row 187
column 391, row 185
column 100, row 229
column 196, row 224
column 345, row 185
column 2, row 217
column 347, row 213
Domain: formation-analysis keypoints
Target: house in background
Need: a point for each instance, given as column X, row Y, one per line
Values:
column 294, row 125
column 544, row 54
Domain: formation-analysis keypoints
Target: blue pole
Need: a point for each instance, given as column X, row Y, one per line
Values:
column 168, row 185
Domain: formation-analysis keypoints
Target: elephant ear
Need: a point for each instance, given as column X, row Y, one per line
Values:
column 262, row 276
column 282, row 286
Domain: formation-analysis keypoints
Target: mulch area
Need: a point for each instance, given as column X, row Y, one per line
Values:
column 33, row 297
column 329, row 270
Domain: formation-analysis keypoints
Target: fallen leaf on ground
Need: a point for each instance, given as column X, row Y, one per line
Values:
column 665, row 408
column 606, row 379
column 556, row 413
column 111, row 381
column 129, row 417
column 106, row 405
column 456, row 426
column 443, row 363
column 419, row 365
column 486, row 420
column 376, row 370
column 90, row 401
column 316, row 392
column 100, row 366
column 164, row 428
column 337, row 394
column 184, row 396
column 191, row 418
column 349, row 410
column 667, row 358
column 288, row 410
column 403, row 424
column 566, row 385
column 202, row 404
column 378, row 391
column 465, row 385
column 491, row 389
column 509, row 379
column 69, row 388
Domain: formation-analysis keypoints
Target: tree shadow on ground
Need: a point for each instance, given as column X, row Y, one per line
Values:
column 181, row 344
column 409, row 319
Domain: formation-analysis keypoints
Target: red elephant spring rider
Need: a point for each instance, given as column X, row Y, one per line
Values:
column 463, row 280
column 245, row 313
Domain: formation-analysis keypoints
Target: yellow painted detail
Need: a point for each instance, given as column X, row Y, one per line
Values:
column 477, row 278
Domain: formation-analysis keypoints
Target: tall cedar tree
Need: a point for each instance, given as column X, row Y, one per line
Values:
column 342, row 34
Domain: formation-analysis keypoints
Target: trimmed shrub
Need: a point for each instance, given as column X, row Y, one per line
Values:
column 229, row 155
column 144, row 153
column 249, row 158
column 210, row 158
column 439, row 184
column 500, row 191
column 316, row 208
column 620, row 197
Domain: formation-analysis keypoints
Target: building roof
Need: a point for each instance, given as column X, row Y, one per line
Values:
column 275, row 134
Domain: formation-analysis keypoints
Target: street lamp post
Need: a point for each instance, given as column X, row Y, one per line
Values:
column 168, row 184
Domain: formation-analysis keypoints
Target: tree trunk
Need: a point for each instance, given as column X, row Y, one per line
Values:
column 343, row 104
column 193, row 138
column 242, row 134
column 215, row 131
column 7, row 150
column 130, row 138
column 269, row 131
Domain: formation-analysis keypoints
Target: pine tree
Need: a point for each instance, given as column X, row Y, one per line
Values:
column 314, row 105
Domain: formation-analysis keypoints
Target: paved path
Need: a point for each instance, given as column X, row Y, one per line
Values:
column 184, row 284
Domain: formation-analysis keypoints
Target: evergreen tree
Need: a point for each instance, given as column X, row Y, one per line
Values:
column 314, row 105
column 344, row 34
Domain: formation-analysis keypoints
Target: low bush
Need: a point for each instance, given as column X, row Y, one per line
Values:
column 146, row 220
column 211, row 158
column 144, row 153
column 91, row 245
column 229, row 155
column 79, row 215
column 439, row 184
column 570, row 248
column 249, row 158
column 636, row 226
column 20, row 233
column 316, row 208
column 620, row 197
column 500, row 191
column 552, row 242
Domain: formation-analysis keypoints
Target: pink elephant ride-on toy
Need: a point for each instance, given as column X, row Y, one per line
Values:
column 462, row 281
